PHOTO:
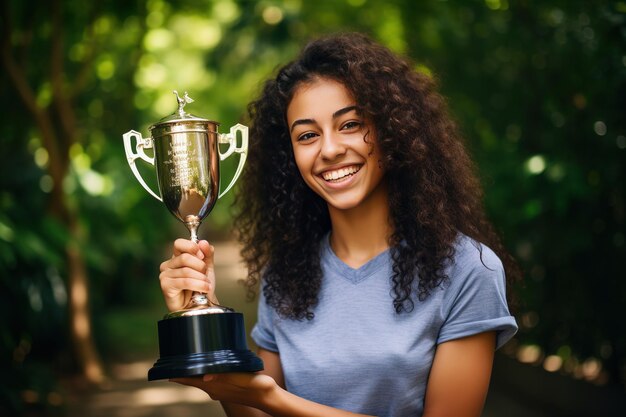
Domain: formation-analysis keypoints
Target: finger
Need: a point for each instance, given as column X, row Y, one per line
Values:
column 186, row 246
column 206, row 248
column 179, row 290
column 184, row 272
column 240, row 379
column 185, row 260
column 183, row 283
column 185, row 380
column 193, row 382
column 209, row 254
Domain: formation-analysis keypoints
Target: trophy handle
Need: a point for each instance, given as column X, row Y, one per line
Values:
column 131, row 156
column 242, row 150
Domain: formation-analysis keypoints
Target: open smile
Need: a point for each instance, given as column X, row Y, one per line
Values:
column 337, row 175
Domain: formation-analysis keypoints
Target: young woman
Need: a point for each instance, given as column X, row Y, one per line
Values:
column 382, row 286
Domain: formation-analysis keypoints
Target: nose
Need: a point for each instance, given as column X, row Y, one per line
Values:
column 332, row 147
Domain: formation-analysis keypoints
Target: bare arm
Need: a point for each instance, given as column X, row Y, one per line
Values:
column 272, row 368
column 459, row 378
column 262, row 394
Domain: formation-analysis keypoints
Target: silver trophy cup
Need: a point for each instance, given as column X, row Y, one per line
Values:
column 203, row 337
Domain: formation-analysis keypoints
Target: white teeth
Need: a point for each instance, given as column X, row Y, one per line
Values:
column 340, row 173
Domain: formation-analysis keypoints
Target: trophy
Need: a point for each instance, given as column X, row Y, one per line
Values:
column 203, row 337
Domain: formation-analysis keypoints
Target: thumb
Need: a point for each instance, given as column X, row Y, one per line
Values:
column 206, row 248
column 207, row 251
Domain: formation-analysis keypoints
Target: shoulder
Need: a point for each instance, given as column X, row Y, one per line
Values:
column 474, row 268
column 475, row 294
column 471, row 255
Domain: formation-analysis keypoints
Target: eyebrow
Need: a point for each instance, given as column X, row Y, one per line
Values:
column 343, row 111
column 336, row 114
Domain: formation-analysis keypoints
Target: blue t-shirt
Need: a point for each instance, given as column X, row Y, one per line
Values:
column 358, row 354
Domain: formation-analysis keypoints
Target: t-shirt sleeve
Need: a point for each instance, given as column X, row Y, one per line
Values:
column 263, row 330
column 476, row 298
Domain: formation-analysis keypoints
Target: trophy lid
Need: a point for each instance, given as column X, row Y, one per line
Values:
column 181, row 116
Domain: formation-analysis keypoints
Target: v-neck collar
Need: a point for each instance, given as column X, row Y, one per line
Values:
column 354, row 275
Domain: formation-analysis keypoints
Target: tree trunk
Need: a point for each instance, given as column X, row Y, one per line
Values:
column 57, row 139
column 80, row 323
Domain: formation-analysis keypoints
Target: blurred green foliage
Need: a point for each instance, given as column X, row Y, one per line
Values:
column 538, row 88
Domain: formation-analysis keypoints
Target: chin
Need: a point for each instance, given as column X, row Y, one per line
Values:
column 342, row 204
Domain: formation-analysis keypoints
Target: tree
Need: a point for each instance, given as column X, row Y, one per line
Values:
column 54, row 65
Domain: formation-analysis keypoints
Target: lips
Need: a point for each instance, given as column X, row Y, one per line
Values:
column 336, row 175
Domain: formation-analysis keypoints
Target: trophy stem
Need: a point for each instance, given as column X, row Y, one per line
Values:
column 193, row 222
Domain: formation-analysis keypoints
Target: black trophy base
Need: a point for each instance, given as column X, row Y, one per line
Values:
column 203, row 344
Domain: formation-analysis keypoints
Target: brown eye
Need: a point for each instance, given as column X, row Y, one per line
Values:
column 351, row 125
column 306, row 136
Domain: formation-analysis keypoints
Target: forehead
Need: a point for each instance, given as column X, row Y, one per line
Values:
column 318, row 98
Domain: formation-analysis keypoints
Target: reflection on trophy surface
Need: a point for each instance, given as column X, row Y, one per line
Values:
column 203, row 337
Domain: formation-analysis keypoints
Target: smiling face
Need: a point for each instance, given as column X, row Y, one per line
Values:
column 334, row 147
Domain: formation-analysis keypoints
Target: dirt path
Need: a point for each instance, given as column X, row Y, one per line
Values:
column 129, row 394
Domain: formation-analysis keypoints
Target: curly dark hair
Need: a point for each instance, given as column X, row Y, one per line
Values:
column 434, row 193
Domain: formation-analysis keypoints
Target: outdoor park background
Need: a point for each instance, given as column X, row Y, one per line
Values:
column 538, row 88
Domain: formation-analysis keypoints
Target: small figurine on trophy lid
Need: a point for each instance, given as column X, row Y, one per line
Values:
column 203, row 337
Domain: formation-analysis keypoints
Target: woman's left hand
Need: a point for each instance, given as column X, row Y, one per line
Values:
column 250, row 389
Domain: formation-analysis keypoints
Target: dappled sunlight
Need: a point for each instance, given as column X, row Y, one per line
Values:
column 196, row 32
column 552, row 363
column 134, row 371
column 150, row 396
column 591, row 369
column 93, row 182
column 536, row 164
column 143, row 393
column 272, row 15
column 529, row 354
column 169, row 395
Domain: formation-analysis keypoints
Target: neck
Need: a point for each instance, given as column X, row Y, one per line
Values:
column 361, row 233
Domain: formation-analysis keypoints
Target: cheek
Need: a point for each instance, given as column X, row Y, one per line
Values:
column 305, row 168
column 297, row 156
column 304, row 164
